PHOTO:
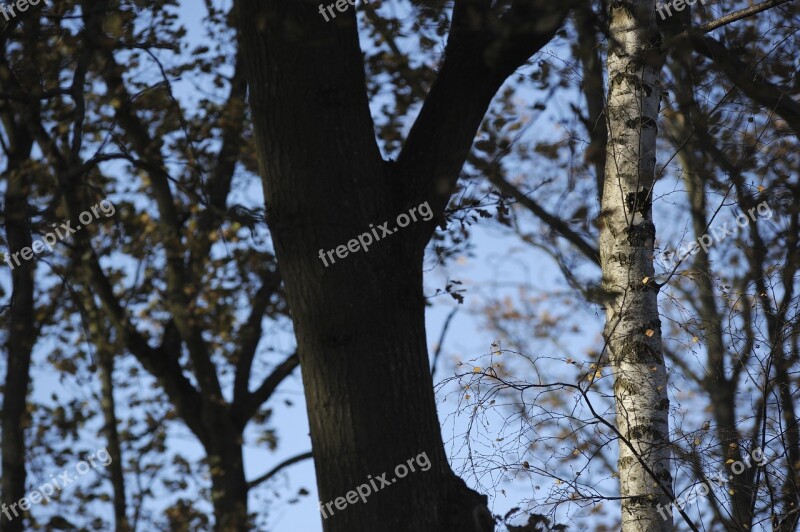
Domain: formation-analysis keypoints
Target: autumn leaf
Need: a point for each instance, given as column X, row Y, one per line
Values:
column 649, row 332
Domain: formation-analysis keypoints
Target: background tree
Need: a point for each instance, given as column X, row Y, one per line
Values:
column 144, row 316
column 179, row 280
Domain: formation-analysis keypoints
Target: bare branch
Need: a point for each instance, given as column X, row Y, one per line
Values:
column 278, row 468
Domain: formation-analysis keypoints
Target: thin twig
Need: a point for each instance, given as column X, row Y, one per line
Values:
column 441, row 340
column 275, row 470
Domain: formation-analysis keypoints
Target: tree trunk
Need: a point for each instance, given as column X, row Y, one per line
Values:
column 106, row 370
column 226, row 464
column 371, row 402
column 633, row 329
column 359, row 321
column 360, row 318
column 21, row 334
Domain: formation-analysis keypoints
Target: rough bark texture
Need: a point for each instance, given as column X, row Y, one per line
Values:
column 633, row 329
column 360, row 321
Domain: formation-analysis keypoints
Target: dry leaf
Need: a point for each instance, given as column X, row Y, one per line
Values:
column 649, row 332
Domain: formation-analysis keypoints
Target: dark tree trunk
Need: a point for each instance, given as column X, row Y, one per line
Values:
column 360, row 320
column 222, row 443
column 106, row 367
column 21, row 337
column 370, row 396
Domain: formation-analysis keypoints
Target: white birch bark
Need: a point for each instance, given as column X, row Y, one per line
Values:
column 633, row 330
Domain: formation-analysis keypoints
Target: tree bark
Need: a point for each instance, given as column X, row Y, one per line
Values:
column 633, row 328
column 228, row 485
column 21, row 330
column 359, row 321
column 106, row 371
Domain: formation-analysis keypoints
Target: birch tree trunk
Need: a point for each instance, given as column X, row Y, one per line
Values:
column 633, row 330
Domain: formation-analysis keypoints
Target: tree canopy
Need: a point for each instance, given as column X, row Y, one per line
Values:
column 611, row 256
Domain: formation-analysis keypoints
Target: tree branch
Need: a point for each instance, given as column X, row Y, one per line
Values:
column 755, row 86
column 251, row 404
column 482, row 51
column 557, row 224
column 250, row 334
column 440, row 343
column 143, row 143
column 278, row 468
column 739, row 15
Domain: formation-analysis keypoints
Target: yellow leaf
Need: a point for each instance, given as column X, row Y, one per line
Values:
column 649, row 332
column 644, row 281
column 729, row 461
column 476, row 369
column 695, row 339
column 731, row 492
column 760, row 188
